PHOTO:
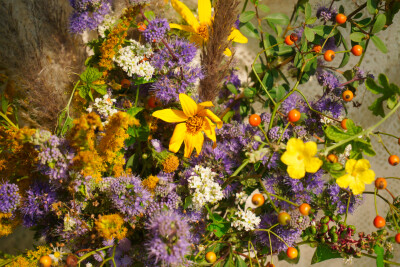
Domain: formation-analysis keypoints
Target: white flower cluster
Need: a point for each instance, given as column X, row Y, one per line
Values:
column 246, row 220
column 133, row 59
column 241, row 198
column 343, row 157
column 257, row 155
column 107, row 24
column 203, row 187
column 104, row 106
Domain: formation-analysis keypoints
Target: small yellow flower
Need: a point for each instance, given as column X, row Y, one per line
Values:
column 358, row 174
column 150, row 183
column 199, row 29
column 195, row 119
column 170, row 164
column 300, row 158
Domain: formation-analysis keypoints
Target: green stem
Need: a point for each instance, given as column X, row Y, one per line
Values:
column 8, row 120
column 365, row 132
column 378, row 132
column 376, row 208
column 269, row 198
column 347, row 208
column 284, row 130
column 137, row 96
column 84, row 257
column 385, row 261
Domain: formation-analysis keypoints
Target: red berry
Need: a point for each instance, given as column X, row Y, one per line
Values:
column 397, row 238
column 294, row 37
column 211, row 257
column 151, row 102
column 258, row 199
column 394, row 160
column 357, row 50
column 292, row 253
column 284, row 218
column 379, row 221
column 332, row 158
column 317, row 48
column 329, row 55
column 381, row 183
column 341, row 18
column 125, row 83
column 343, row 124
column 294, row 115
column 305, row 209
column 254, row 120
column 288, row 41
column 347, row 95
column 141, row 26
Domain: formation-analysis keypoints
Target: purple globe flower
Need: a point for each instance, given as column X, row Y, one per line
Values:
column 9, row 197
column 156, row 30
column 88, row 14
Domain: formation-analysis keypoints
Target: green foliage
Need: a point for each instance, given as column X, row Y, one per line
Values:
column 379, row 44
column 389, row 92
column 91, row 80
column 379, row 255
column 282, row 256
column 323, row 253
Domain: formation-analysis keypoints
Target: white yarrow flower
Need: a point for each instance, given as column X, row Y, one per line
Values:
column 245, row 220
column 107, row 25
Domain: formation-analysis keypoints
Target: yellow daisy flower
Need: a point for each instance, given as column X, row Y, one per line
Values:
column 195, row 119
column 199, row 29
column 358, row 174
column 299, row 157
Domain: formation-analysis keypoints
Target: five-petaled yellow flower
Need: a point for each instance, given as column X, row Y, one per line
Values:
column 199, row 29
column 300, row 158
column 358, row 174
column 195, row 119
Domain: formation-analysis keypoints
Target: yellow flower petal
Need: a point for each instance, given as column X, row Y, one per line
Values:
column 228, row 52
column 209, row 130
column 367, row 176
column 185, row 28
column 208, row 113
column 357, row 187
column 291, row 158
column 198, row 140
column 206, row 104
column 189, row 145
column 197, row 39
column 185, row 12
column 237, row 37
column 204, row 9
column 310, row 148
column 296, row 171
column 313, row 164
column 345, row 180
column 350, row 165
column 361, row 165
column 170, row 115
column 188, row 105
column 177, row 137
column 295, row 145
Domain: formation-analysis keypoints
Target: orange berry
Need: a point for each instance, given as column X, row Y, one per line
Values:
column 394, row 160
column 380, row 183
column 397, row 238
column 347, row 95
column 270, row 265
column 288, row 41
column 341, row 18
column 258, row 199
column 294, row 37
column 343, row 124
column 357, row 50
column 305, row 209
column 284, row 218
column 45, row 261
column 379, row 221
column 294, row 115
column 141, row 26
column 329, row 55
column 292, row 253
column 332, row 158
column 125, row 83
column 317, row 48
column 254, row 120
column 151, row 102
column 211, row 257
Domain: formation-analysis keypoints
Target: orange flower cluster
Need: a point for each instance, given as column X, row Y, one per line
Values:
column 7, row 224
column 111, row 226
column 113, row 140
column 17, row 156
column 115, row 39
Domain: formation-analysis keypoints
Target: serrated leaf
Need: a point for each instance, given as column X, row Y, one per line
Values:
column 357, row 36
column 377, row 107
column 379, row 251
column 324, row 252
column 246, row 16
column 90, row 75
column 278, row 18
column 335, row 134
column 188, row 202
column 324, row 30
column 264, row 8
column 392, row 101
column 352, row 129
column 379, row 44
column 346, row 56
column 309, row 33
column 100, row 88
column 371, row 85
column 383, row 80
column 380, row 22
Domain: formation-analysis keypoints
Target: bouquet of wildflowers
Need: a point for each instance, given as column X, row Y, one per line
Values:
column 164, row 157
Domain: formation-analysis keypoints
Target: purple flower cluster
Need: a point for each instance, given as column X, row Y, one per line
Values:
column 129, row 196
column 9, row 197
column 55, row 159
column 287, row 233
column 168, row 241
column 339, row 198
column 298, row 190
column 276, row 132
column 294, row 101
column 326, row 14
column 156, row 30
column 88, row 14
column 327, row 79
column 184, row 52
column 165, row 196
column 37, row 203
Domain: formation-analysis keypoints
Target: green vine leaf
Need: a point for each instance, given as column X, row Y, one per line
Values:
column 389, row 92
column 323, row 253
column 91, row 80
column 379, row 256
